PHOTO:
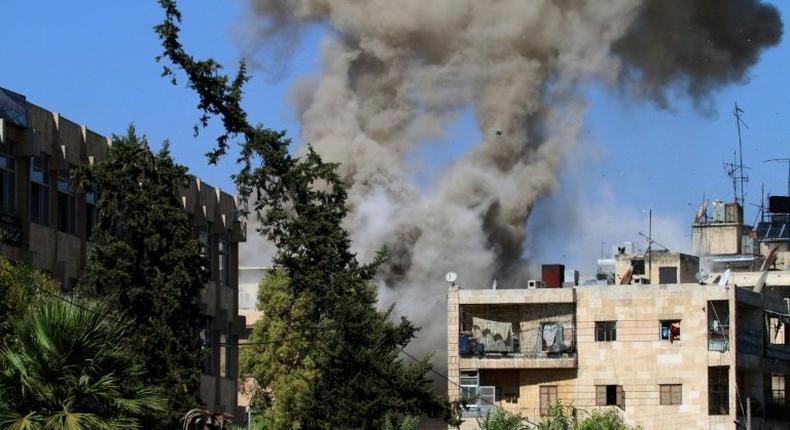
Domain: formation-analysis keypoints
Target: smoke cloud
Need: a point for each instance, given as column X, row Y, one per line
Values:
column 396, row 73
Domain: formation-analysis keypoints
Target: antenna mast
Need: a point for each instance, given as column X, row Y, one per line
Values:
column 735, row 170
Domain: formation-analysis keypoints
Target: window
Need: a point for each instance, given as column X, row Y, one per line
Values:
column 638, row 267
column 7, row 180
column 776, row 330
column 605, row 331
column 718, row 325
column 91, row 213
column 39, row 189
column 469, row 384
column 224, row 262
column 669, row 330
column 230, row 357
column 206, row 335
column 609, row 395
column 670, row 394
column 548, row 398
column 205, row 250
column 719, row 390
column 223, row 356
column 668, row 275
column 67, row 204
column 510, row 394
column 778, row 393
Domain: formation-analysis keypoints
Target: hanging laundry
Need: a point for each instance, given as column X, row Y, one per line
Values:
column 496, row 336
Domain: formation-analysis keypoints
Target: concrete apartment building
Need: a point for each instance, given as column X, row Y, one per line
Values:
column 666, row 351
column 44, row 222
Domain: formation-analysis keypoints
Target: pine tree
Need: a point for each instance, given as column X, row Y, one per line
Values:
column 327, row 358
column 144, row 262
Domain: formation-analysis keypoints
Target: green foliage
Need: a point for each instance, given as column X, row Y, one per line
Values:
column 314, row 374
column 325, row 357
column 71, row 369
column 605, row 420
column 501, row 420
column 20, row 285
column 144, row 262
column 408, row 423
column 565, row 417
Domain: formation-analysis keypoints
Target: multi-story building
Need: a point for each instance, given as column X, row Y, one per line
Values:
column 45, row 222
column 682, row 356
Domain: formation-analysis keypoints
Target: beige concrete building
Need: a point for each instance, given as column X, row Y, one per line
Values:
column 44, row 222
column 655, row 266
column 682, row 356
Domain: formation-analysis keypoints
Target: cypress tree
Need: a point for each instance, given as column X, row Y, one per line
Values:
column 144, row 262
column 325, row 357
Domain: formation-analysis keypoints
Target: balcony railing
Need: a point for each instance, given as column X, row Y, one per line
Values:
column 10, row 230
column 532, row 347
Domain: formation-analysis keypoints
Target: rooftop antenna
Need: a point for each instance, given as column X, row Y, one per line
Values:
column 761, row 206
column 783, row 160
column 735, row 170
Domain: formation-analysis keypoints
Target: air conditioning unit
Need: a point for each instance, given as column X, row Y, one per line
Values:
column 642, row 281
column 534, row 283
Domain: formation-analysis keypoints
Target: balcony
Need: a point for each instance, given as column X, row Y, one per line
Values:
column 551, row 347
column 10, row 230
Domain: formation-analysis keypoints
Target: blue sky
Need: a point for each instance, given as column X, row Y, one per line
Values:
column 93, row 61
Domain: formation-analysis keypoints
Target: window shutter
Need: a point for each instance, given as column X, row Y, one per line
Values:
column 677, row 394
column 544, row 400
column 664, row 395
column 620, row 397
column 600, row 395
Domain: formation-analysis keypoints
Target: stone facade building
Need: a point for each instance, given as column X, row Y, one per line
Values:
column 43, row 221
column 682, row 356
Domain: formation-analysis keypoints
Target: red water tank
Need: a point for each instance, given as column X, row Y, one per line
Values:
column 553, row 275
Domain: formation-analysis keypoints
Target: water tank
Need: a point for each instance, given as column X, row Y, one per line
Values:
column 718, row 211
column 553, row 275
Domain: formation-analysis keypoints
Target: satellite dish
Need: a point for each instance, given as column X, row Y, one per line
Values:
column 493, row 284
column 724, row 278
column 702, row 276
column 451, row 277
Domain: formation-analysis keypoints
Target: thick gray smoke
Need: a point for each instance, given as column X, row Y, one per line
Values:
column 396, row 73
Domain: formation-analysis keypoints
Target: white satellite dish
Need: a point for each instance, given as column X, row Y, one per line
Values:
column 451, row 277
column 702, row 276
column 724, row 278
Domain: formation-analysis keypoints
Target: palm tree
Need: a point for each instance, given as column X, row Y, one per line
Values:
column 72, row 369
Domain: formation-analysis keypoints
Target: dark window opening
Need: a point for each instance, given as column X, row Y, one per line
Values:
column 667, row 275
column 638, row 267
column 609, row 395
column 39, row 189
column 605, row 331
column 91, row 213
column 777, row 331
column 7, row 180
column 224, row 263
column 67, row 204
column 719, row 390
column 669, row 330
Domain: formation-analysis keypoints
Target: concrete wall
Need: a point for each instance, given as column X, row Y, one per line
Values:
column 718, row 238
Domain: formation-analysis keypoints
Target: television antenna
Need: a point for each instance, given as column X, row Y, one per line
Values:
column 735, row 170
column 783, row 160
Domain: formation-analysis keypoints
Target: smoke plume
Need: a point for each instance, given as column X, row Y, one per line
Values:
column 396, row 73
